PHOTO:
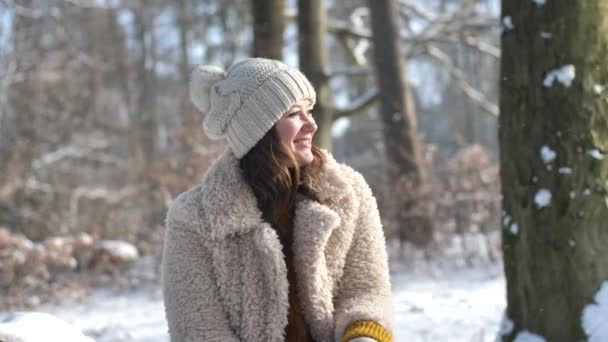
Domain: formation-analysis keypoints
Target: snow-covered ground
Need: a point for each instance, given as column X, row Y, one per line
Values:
column 455, row 305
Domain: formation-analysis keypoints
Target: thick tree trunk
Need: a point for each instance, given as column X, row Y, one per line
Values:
column 314, row 62
column 406, row 171
column 552, row 139
column 268, row 28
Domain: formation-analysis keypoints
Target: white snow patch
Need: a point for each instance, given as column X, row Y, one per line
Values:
column 547, row 154
column 595, row 153
column 598, row 89
column 564, row 170
column 507, row 23
column 586, row 192
column 539, row 2
column 546, row 35
column 430, row 309
column 526, row 336
column 572, row 243
column 595, row 316
column 565, row 75
column 38, row 327
column 514, row 229
column 542, row 198
column 121, row 249
column 506, row 221
column 510, row 225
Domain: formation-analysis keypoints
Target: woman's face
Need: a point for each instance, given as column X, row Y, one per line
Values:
column 296, row 129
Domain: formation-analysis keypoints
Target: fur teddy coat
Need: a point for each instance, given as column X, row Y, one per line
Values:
column 224, row 274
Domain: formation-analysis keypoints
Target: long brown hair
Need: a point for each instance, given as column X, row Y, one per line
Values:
column 272, row 171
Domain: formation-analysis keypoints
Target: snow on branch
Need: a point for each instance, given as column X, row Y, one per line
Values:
column 417, row 10
column 458, row 75
column 341, row 27
column 72, row 151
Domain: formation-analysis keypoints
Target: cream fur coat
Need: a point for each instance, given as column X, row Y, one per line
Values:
column 224, row 274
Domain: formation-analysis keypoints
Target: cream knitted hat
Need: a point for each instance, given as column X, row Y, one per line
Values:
column 244, row 103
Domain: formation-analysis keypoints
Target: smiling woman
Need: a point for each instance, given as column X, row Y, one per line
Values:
column 296, row 128
column 279, row 242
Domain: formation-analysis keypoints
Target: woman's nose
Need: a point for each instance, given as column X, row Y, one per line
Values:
column 310, row 123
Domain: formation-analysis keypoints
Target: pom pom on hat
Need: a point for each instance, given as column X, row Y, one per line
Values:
column 203, row 77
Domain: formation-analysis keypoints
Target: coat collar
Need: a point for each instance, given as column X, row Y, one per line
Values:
column 231, row 208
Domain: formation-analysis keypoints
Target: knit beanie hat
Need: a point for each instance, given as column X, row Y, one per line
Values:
column 242, row 104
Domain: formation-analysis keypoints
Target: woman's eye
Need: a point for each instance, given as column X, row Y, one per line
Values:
column 293, row 114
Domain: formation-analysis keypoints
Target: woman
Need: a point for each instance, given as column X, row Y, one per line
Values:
column 279, row 242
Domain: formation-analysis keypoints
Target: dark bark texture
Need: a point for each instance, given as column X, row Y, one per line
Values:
column 555, row 256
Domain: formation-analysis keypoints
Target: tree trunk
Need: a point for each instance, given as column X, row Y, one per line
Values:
column 314, row 63
column 183, row 23
column 555, row 207
column 145, row 116
column 268, row 28
column 18, row 144
column 406, row 171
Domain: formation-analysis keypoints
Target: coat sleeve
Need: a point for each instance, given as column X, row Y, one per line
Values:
column 192, row 302
column 364, row 290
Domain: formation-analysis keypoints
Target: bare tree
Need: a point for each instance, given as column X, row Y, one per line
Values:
column 406, row 171
column 312, row 27
column 553, row 166
column 268, row 28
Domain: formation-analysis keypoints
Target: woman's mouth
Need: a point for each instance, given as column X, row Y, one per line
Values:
column 303, row 141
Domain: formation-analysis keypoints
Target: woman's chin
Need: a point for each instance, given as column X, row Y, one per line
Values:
column 304, row 157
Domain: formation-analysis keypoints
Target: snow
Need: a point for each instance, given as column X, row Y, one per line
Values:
column 506, row 221
column 598, row 89
column 564, row 170
column 38, row 327
column 507, row 23
column 546, row 35
column 565, row 75
column 595, row 316
column 121, row 249
column 526, row 336
column 464, row 304
column 506, row 325
column 539, row 2
column 595, row 153
column 510, row 225
column 514, row 229
column 542, row 198
column 547, row 154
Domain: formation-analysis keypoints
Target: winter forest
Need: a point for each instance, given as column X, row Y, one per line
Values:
column 480, row 125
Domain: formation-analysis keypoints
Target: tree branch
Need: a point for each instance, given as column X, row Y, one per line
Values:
column 361, row 104
column 459, row 76
column 340, row 27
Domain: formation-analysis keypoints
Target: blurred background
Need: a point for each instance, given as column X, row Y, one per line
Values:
column 97, row 133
